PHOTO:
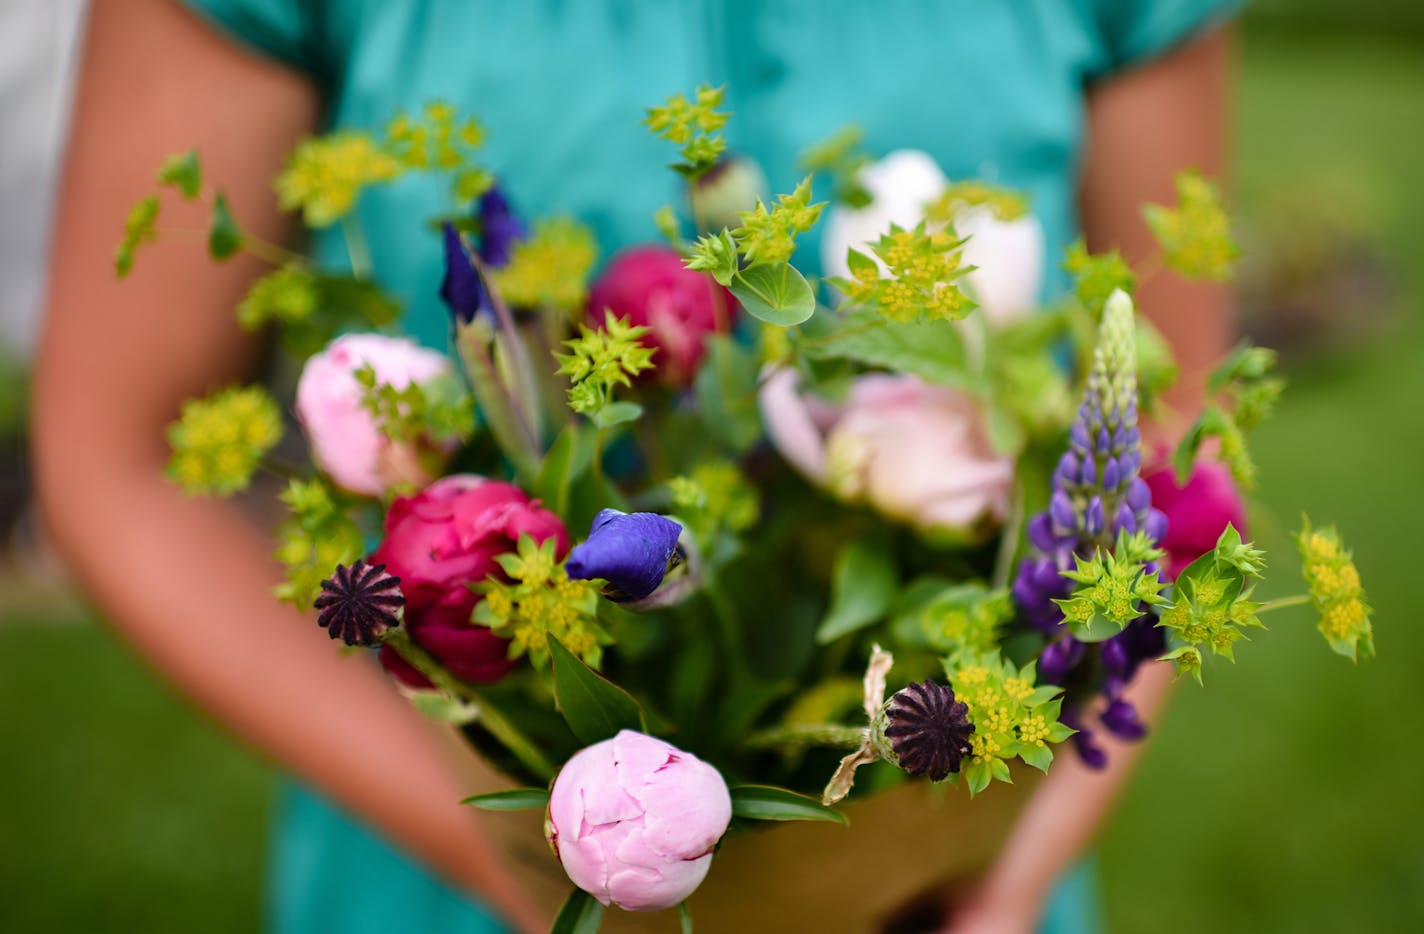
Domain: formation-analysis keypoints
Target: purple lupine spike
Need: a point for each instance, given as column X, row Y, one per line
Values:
column 1059, row 659
column 1112, row 474
column 1121, row 720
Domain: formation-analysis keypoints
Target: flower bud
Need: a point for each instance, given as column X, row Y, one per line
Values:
column 632, row 552
column 634, row 821
column 923, row 730
column 358, row 604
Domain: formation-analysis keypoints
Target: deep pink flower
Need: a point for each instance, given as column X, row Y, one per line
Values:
column 438, row 542
column 634, row 821
column 649, row 286
column 1196, row 513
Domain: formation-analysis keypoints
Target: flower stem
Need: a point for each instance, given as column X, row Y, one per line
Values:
column 813, row 734
column 1283, row 602
column 356, row 247
column 491, row 719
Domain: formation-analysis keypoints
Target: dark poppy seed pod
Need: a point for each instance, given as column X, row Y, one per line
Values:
column 359, row 603
column 924, row 730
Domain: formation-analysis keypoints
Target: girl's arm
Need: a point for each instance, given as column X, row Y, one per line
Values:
column 188, row 581
column 1143, row 127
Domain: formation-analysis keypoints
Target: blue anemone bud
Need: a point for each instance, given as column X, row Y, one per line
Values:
column 500, row 228
column 463, row 289
column 631, row 551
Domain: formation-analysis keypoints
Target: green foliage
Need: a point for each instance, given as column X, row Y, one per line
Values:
column 138, row 230
column 518, row 799
column 325, row 175
column 923, row 265
column 1195, row 236
column 1012, row 715
column 716, row 255
column 594, row 707
column 1336, row 592
column 436, row 138
column 1114, row 588
column 540, row 605
column 312, row 308
column 601, row 359
column 287, row 296
column 692, row 125
column 317, row 535
column 925, row 349
column 549, row 268
column 715, row 499
column 947, row 617
column 1097, row 275
column 581, row 914
column 224, row 236
column 219, row 442
column 183, row 171
column 862, row 589
column 1211, row 606
column 438, row 408
column 768, row 237
column 840, row 156
column 777, row 294
column 1005, row 204
column 1244, row 393
column 726, row 391
column 765, row 802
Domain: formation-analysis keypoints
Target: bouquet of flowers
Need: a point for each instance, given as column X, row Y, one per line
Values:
column 683, row 550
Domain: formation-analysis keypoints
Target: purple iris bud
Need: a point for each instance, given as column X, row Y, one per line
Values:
column 1121, row 720
column 1058, row 659
column 500, row 228
column 1155, row 525
column 1060, row 509
column 1139, row 495
column 462, row 289
column 631, row 551
column 1112, row 474
column 1093, row 518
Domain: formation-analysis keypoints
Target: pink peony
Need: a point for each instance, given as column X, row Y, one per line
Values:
column 649, row 286
column 916, row 452
column 1197, row 513
column 345, row 441
column 634, row 821
column 442, row 539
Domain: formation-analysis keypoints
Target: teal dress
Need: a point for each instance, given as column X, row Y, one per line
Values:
column 991, row 90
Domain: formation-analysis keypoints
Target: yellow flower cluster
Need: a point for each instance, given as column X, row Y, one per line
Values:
column 601, row 358
column 541, row 602
column 923, row 266
column 714, row 497
column 1004, row 203
column 325, row 175
column 549, row 269
column 693, row 126
column 1336, row 591
column 1012, row 716
column 315, row 537
column 219, row 441
column 768, row 237
column 1195, row 235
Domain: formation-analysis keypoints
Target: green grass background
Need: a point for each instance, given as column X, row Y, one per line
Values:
column 1284, row 797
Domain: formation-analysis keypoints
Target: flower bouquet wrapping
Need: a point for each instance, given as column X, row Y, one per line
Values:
column 687, row 555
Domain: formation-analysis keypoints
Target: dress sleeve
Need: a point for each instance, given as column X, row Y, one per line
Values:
column 1133, row 31
column 282, row 30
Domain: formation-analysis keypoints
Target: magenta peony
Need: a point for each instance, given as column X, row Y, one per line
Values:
column 1197, row 513
column 345, row 441
column 649, row 286
column 439, row 541
column 634, row 821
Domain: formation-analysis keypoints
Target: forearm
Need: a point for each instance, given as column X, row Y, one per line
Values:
column 189, row 583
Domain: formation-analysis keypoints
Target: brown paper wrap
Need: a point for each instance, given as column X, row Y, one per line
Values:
column 797, row 876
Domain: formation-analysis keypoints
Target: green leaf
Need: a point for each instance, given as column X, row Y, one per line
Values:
column 775, row 293
column 726, row 391
column 862, row 589
column 520, row 799
column 594, row 707
column 569, row 458
column 764, row 802
column 1040, row 757
column 931, row 350
column 978, row 774
column 183, row 172
column 224, row 237
column 581, row 914
column 617, row 413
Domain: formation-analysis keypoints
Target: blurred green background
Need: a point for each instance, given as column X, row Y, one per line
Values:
column 1285, row 797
